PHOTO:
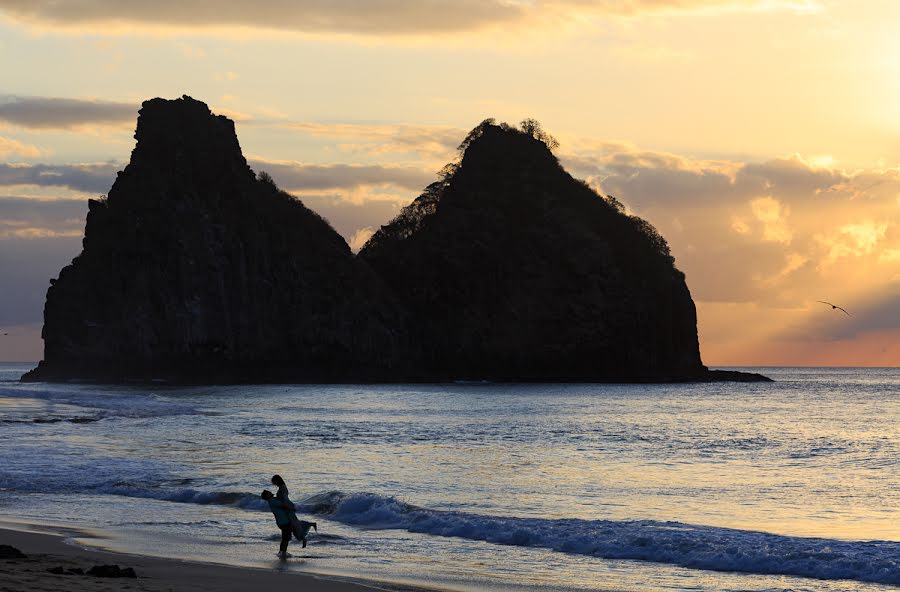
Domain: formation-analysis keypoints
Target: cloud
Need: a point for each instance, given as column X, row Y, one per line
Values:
column 383, row 18
column 640, row 7
column 790, row 177
column 650, row 178
column 773, row 216
column 769, row 233
column 10, row 147
column 433, row 142
column 296, row 176
column 360, row 238
column 853, row 240
column 91, row 178
column 351, row 218
column 63, row 113
column 309, row 16
column 292, row 176
column 23, row 217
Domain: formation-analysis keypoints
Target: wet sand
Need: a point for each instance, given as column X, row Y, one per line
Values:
column 48, row 551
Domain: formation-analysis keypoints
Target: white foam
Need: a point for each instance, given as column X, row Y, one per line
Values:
column 99, row 405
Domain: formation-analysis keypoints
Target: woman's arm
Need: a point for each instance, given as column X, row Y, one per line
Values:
column 282, row 496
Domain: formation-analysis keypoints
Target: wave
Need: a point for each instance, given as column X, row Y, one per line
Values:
column 100, row 405
column 247, row 501
column 686, row 545
column 46, row 419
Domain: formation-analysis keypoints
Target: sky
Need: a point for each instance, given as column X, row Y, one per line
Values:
column 761, row 137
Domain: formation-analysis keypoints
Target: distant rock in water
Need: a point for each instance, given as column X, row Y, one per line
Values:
column 194, row 269
column 512, row 270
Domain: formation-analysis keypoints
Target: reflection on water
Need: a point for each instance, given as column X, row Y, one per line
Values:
column 814, row 454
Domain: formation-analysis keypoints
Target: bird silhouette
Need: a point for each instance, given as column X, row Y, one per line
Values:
column 834, row 307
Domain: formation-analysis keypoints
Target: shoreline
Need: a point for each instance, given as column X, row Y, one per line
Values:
column 46, row 550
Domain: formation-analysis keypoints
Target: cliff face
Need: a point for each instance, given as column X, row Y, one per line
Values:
column 513, row 270
column 194, row 269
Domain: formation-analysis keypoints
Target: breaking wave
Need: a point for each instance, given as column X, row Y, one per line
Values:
column 686, row 545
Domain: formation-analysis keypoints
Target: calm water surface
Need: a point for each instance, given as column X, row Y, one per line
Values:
column 787, row 485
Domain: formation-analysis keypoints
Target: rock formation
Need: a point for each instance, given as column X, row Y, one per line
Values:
column 512, row 270
column 195, row 269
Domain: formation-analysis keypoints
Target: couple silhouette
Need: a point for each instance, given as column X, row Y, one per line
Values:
column 286, row 516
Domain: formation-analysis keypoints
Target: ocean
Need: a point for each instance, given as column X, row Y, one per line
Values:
column 790, row 485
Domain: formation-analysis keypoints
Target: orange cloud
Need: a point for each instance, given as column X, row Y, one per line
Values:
column 360, row 237
column 761, row 242
column 773, row 216
column 10, row 147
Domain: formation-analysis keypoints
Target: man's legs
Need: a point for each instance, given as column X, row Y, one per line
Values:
column 285, row 538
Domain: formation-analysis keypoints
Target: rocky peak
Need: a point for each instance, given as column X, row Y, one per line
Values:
column 184, row 135
column 513, row 270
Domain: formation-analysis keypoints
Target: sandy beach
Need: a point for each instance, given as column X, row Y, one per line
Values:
column 47, row 551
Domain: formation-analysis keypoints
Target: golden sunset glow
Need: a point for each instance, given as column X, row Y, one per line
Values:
column 761, row 137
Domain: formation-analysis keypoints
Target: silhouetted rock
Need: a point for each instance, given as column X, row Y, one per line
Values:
column 194, row 269
column 10, row 552
column 514, row 271
column 734, row 376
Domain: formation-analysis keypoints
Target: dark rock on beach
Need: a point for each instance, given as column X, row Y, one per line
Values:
column 111, row 571
column 10, row 552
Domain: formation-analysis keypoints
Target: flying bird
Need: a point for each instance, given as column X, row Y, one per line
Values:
column 834, row 307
